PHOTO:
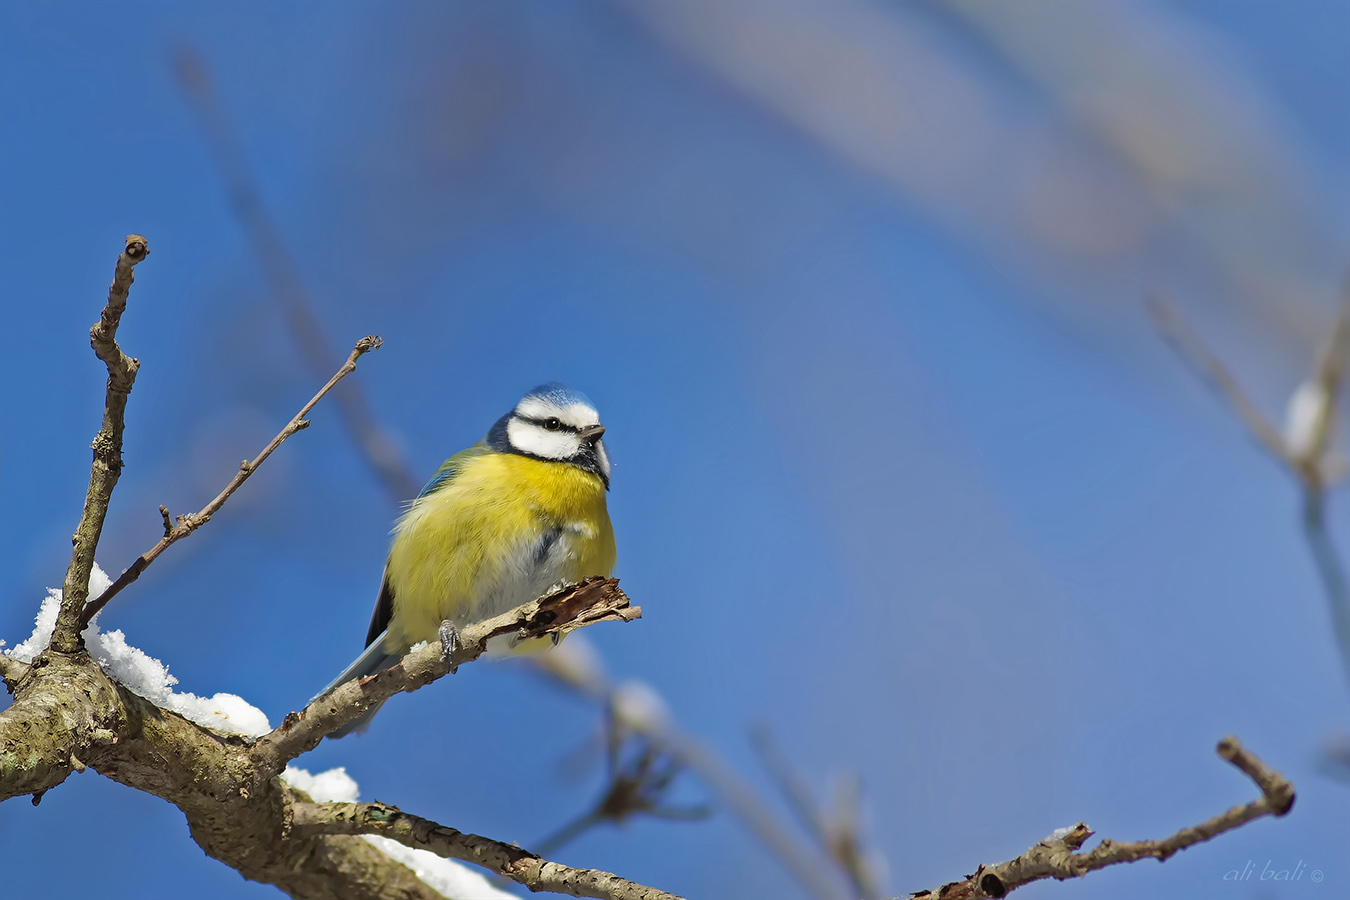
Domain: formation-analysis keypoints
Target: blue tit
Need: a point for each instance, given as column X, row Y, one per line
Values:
column 496, row 526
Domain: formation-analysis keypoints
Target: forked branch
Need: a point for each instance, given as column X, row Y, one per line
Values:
column 190, row 522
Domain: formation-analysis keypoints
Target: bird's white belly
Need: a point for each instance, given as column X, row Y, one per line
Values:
column 526, row 572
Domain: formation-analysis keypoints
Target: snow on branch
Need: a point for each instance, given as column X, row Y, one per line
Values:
column 443, row 875
column 519, row 865
column 139, row 672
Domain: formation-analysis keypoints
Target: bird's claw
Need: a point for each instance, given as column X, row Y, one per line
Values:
column 450, row 644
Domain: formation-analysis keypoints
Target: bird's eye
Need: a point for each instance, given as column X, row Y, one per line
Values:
column 552, row 424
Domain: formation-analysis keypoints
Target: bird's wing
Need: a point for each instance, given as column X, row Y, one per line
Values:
column 450, row 468
column 384, row 605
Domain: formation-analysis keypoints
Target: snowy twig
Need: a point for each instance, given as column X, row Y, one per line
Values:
column 284, row 278
column 1058, row 856
column 592, row 600
column 188, row 523
column 107, row 466
column 1305, row 450
column 519, row 865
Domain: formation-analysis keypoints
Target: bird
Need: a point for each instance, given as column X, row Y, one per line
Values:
column 498, row 525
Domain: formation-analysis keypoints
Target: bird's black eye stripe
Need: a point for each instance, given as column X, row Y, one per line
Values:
column 552, row 423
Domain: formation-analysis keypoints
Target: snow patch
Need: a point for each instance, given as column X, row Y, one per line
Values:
column 141, row 673
column 445, row 876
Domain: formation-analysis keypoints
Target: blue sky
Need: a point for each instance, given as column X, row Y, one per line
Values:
column 901, row 470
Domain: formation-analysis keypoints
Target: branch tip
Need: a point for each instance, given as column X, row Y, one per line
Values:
column 137, row 248
column 107, row 445
column 1275, row 788
column 1060, row 856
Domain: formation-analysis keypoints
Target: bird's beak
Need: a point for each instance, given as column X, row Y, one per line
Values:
column 593, row 432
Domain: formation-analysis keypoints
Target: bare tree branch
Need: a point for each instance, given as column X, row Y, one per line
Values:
column 1058, row 856
column 68, row 715
column 107, row 466
column 64, row 711
column 284, row 279
column 592, row 600
column 519, row 865
column 190, row 522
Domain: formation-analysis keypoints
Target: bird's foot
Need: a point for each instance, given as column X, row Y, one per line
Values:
column 450, row 644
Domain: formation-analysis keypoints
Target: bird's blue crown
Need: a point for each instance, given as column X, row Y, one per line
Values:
column 558, row 393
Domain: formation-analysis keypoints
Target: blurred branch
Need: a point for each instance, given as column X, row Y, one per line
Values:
column 1212, row 369
column 839, row 832
column 637, row 786
column 107, row 465
column 188, row 523
column 1058, row 855
column 575, row 606
column 804, row 863
column 1305, row 447
column 521, row 866
column 284, row 278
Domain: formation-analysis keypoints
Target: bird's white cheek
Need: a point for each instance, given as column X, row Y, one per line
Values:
column 529, row 438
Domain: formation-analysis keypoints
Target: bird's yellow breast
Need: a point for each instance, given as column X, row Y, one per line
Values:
column 498, row 534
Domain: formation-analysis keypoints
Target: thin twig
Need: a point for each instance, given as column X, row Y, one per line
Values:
column 1058, row 856
column 840, row 835
column 1212, row 369
column 519, row 865
column 799, row 858
column 575, row 606
column 284, row 278
column 107, row 465
column 190, row 522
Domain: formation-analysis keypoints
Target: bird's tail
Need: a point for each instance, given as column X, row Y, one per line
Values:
column 368, row 663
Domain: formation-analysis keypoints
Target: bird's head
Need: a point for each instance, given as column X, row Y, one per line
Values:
column 554, row 422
